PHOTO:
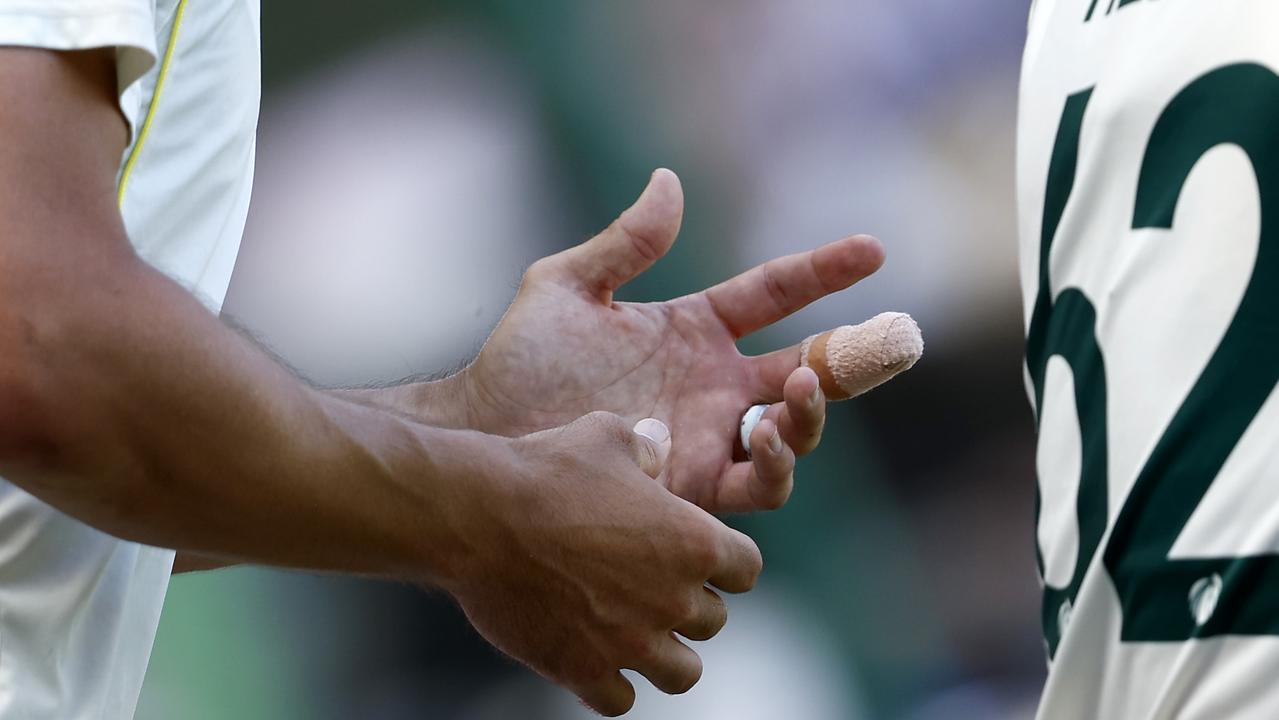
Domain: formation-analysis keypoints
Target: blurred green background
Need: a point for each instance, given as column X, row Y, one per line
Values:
column 414, row 157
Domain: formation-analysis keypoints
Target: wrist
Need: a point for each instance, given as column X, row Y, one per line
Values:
column 465, row 508
column 443, row 403
column 403, row 502
column 458, row 401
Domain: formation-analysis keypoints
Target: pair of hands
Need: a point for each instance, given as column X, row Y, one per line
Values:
column 594, row 567
column 565, row 349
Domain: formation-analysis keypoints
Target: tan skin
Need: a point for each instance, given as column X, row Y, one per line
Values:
column 566, row 348
column 128, row 406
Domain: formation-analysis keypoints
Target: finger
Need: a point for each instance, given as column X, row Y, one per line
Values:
column 800, row 417
column 738, row 563
column 632, row 243
column 611, row 696
column 670, row 665
column 654, row 446
column 772, row 468
column 767, row 293
column 710, row 614
column 765, row 481
column 801, row 421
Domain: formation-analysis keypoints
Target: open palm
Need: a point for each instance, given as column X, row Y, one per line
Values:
column 565, row 348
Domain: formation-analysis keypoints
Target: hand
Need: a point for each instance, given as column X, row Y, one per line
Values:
column 566, row 348
column 583, row 566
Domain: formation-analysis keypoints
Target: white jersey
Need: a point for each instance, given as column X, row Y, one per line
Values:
column 79, row 608
column 1148, row 181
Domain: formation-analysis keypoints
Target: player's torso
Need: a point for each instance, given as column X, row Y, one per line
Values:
column 79, row 608
column 1148, row 162
column 187, row 178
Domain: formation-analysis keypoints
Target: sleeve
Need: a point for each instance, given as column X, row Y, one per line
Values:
column 127, row 25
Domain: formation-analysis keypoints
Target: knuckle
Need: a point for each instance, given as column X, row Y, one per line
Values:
column 619, row 706
column 681, row 610
column 775, row 288
column 702, row 550
column 625, row 438
column 589, row 670
column 721, row 616
column 643, row 243
column 606, row 693
column 607, row 698
column 605, row 422
column 686, row 609
column 639, row 649
column 775, row 499
column 688, row 680
column 605, row 428
column 617, row 431
column 539, row 271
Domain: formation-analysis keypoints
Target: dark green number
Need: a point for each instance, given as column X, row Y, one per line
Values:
column 1238, row 105
column 1067, row 328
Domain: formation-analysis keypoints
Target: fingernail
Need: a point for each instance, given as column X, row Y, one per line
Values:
column 652, row 178
column 816, row 397
column 653, row 429
column 775, row 442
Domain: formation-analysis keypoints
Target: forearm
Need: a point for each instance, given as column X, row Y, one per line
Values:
column 155, row 422
column 188, row 562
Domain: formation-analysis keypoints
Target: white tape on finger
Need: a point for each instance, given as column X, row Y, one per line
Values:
column 749, row 421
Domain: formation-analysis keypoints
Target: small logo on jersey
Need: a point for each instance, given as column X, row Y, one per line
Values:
column 1203, row 598
column 1110, row 6
column 1063, row 617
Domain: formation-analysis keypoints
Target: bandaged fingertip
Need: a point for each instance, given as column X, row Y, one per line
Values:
column 853, row 359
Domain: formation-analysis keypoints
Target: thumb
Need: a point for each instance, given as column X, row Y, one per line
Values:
column 654, row 445
column 633, row 242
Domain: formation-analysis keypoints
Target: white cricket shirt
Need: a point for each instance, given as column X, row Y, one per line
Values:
column 79, row 608
column 1148, row 183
